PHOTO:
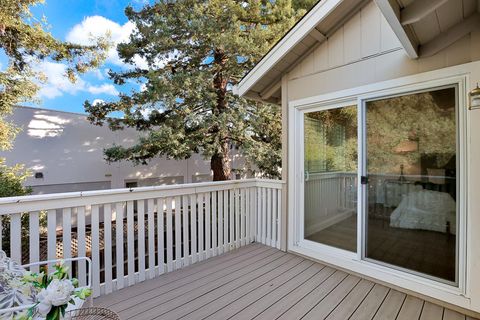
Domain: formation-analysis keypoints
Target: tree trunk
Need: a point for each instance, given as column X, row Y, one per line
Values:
column 220, row 161
column 220, row 164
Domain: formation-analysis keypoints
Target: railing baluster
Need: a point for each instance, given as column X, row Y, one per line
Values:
column 278, row 225
column 220, row 222
column 236, row 199
column 169, row 235
column 34, row 238
column 214, row 223
column 241, row 198
column 107, row 246
column 200, row 227
column 275, row 217
column 264, row 216
column 269, row 217
column 67, row 236
column 160, row 236
column 231, row 211
column 141, row 239
column 16, row 237
column 82, row 246
column 246, row 213
column 95, row 251
column 178, row 233
column 119, row 245
column 208, row 224
column 259, row 215
column 130, row 243
column 253, row 213
column 186, row 241
column 151, row 237
column 51, row 236
column 193, row 225
column 226, row 217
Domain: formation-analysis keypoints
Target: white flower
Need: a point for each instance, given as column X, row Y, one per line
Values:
column 44, row 306
column 58, row 293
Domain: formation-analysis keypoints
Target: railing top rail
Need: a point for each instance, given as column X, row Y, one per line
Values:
column 71, row 199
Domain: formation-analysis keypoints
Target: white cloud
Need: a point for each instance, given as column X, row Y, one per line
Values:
column 105, row 88
column 57, row 84
column 97, row 101
column 98, row 26
column 98, row 74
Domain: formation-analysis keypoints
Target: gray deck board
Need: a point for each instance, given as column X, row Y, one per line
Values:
column 157, row 307
column 369, row 306
column 411, row 309
column 214, row 299
column 431, row 311
column 258, row 282
column 351, row 302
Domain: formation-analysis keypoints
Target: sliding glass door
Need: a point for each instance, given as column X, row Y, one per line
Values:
column 330, row 177
column 384, row 171
column 411, row 182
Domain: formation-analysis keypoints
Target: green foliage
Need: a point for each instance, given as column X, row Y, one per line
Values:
column 196, row 51
column 11, row 180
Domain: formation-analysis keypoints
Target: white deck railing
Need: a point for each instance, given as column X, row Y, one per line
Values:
column 136, row 234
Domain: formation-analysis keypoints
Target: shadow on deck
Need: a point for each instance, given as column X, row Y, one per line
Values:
column 259, row 282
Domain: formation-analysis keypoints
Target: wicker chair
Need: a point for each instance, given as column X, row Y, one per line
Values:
column 92, row 314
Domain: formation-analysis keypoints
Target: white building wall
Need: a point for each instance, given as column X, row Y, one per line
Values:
column 68, row 151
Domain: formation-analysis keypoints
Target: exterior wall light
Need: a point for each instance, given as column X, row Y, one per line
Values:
column 475, row 98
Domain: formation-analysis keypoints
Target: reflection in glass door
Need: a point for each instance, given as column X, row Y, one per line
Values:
column 330, row 169
column 411, row 198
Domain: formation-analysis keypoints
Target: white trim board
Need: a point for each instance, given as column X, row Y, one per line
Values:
column 460, row 75
column 354, row 93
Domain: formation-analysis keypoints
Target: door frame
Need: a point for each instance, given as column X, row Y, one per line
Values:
column 355, row 262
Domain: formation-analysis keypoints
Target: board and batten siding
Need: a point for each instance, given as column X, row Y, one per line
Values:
column 365, row 50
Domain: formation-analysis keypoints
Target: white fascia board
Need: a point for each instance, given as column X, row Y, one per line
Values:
column 300, row 31
column 391, row 12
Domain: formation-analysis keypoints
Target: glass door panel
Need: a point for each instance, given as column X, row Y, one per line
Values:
column 411, row 162
column 330, row 169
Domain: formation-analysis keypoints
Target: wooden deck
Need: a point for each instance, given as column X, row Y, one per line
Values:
column 259, row 282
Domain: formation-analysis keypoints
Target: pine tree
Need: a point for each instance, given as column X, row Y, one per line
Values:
column 196, row 52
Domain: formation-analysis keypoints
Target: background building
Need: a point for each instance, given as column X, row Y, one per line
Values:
column 65, row 153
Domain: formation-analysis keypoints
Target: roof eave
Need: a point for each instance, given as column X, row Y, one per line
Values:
column 293, row 37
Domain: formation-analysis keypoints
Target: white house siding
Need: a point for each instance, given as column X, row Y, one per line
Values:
column 68, row 150
column 365, row 51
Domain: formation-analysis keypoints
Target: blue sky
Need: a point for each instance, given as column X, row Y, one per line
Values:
column 74, row 20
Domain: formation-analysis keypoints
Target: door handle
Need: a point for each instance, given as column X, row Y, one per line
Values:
column 364, row 180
